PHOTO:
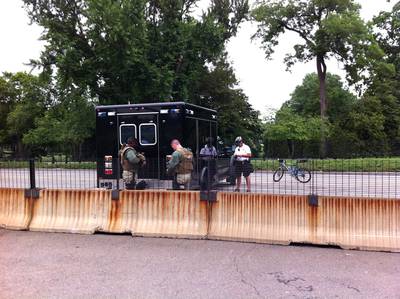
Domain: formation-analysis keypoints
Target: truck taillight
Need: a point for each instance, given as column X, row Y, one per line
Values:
column 108, row 165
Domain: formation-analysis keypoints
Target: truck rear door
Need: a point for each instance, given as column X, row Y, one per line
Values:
column 144, row 127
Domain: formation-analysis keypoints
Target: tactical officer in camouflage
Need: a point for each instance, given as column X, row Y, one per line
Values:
column 131, row 161
column 180, row 165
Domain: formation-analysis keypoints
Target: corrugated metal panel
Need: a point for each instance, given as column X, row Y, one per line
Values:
column 160, row 213
column 15, row 209
column 71, row 211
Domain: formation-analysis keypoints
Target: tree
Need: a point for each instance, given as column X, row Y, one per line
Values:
column 37, row 116
column 218, row 89
column 138, row 51
column 388, row 35
column 354, row 126
column 114, row 52
column 328, row 29
column 305, row 98
column 133, row 50
column 386, row 81
column 290, row 127
column 7, row 100
column 305, row 102
column 365, row 128
column 23, row 98
column 66, row 125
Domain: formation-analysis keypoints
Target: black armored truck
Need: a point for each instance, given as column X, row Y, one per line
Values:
column 154, row 126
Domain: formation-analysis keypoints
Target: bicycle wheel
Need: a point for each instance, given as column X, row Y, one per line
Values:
column 278, row 174
column 303, row 175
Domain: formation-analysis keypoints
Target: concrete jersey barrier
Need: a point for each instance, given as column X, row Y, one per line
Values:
column 71, row 211
column 15, row 209
column 272, row 219
column 142, row 213
column 178, row 214
column 353, row 223
column 359, row 223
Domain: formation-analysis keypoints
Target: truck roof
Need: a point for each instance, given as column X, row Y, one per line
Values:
column 163, row 104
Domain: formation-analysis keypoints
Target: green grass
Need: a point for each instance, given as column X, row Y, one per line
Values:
column 58, row 158
column 63, row 165
column 337, row 165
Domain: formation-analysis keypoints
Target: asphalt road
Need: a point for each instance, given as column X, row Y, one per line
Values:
column 377, row 185
column 46, row 265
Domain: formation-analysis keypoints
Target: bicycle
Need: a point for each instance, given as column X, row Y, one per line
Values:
column 301, row 174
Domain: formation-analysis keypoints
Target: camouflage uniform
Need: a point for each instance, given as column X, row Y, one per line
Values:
column 131, row 161
column 181, row 165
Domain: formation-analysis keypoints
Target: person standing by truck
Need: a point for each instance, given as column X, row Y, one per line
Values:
column 242, row 163
column 180, row 166
column 131, row 161
column 208, row 155
column 208, row 151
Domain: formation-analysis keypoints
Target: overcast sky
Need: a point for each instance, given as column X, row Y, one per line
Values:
column 266, row 83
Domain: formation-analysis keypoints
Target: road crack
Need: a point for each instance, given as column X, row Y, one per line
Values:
column 243, row 278
column 353, row 288
column 344, row 284
column 294, row 282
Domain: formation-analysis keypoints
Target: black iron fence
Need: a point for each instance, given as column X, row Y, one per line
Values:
column 47, row 174
column 369, row 177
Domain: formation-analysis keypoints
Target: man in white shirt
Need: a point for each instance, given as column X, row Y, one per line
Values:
column 242, row 164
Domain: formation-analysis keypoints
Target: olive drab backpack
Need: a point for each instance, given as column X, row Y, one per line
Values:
column 124, row 161
column 186, row 164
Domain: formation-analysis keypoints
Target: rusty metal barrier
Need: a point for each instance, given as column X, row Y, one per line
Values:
column 15, row 209
column 71, row 211
column 178, row 214
column 351, row 223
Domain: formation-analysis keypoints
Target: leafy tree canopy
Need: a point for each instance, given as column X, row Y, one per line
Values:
column 218, row 89
column 305, row 98
column 23, row 98
column 328, row 28
column 133, row 50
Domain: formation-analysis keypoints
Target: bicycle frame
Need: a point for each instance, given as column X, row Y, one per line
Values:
column 300, row 174
column 291, row 169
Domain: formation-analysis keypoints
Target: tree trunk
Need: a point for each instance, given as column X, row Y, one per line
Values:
column 80, row 152
column 19, row 149
column 290, row 144
column 321, row 67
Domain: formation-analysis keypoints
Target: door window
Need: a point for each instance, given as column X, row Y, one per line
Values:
column 147, row 134
column 126, row 131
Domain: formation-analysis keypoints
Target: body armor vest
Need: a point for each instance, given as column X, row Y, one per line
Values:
column 186, row 163
column 126, row 165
